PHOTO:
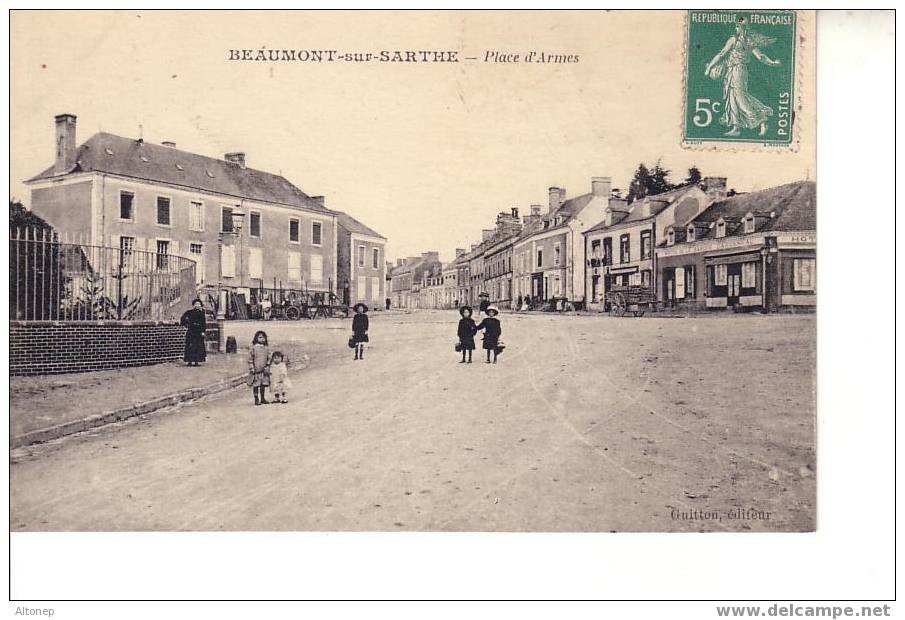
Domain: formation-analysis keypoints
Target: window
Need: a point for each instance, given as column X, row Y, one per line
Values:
column 540, row 258
column 361, row 256
column 127, row 206
column 804, row 274
column 670, row 238
column 163, row 254
column 316, row 229
column 645, row 244
column 719, row 275
column 749, row 275
column 689, row 234
column 749, row 226
column 680, row 282
column 608, row 251
column 595, row 248
column 196, row 216
column 293, row 230
column 720, row 229
column 197, row 254
column 375, row 258
column 228, row 261
column 254, row 224
column 624, row 253
column 295, row 266
column 127, row 244
column 317, row 269
column 163, row 211
column 255, row 263
column 557, row 254
column 689, row 280
column 226, row 219
column 645, row 278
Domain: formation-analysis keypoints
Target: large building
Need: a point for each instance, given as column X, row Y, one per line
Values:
column 550, row 258
column 620, row 249
column 498, row 251
column 361, row 270
column 755, row 250
column 409, row 276
column 132, row 194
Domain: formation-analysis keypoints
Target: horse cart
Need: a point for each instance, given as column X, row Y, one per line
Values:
column 635, row 299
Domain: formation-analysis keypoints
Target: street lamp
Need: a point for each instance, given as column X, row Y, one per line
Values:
column 237, row 218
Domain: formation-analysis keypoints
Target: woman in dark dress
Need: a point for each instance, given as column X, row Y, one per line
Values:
column 492, row 332
column 466, row 332
column 196, row 323
column 360, row 330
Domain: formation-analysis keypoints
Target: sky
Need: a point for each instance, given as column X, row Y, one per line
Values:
column 425, row 153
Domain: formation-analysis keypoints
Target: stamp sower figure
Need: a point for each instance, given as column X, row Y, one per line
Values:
column 741, row 110
column 360, row 329
column 492, row 332
column 467, row 330
column 259, row 366
column 196, row 324
column 279, row 377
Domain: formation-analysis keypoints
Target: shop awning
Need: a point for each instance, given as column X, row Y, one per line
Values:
column 731, row 259
column 616, row 271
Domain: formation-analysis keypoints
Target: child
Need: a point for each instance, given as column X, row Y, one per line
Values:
column 492, row 332
column 279, row 377
column 360, row 330
column 466, row 332
column 259, row 366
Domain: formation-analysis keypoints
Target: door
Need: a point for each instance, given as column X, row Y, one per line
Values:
column 733, row 283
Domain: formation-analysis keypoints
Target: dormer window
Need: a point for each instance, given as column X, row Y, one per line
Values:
column 670, row 237
column 720, row 229
column 749, row 224
column 689, row 233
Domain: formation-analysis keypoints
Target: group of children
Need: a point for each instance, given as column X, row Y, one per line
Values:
column 268, row 369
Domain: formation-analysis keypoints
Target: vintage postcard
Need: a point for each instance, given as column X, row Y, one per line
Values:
column 535, row 271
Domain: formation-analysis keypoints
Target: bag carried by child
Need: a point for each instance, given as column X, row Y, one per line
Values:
column 352, row 343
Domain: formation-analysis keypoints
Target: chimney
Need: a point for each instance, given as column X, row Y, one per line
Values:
column 535, row 210
column 400, row 262
column 169, row 144
column 486, row 234
column 65, row 143
column 601, row 186
column 460, row 252
column 562, row 195
column 715, row 187
column 554, row 199
column 236, row 158
column 515, row 213
column 317, row 200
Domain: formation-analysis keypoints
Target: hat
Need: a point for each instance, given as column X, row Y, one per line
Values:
column 493, row 309
column 464, row 308
column 364, row 307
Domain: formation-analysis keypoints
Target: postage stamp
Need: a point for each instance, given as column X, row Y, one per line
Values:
column 740, row 75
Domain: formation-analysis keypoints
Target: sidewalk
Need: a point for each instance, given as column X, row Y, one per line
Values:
column 50, row 406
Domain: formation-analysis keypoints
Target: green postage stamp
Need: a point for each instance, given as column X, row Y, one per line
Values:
column 740, row 74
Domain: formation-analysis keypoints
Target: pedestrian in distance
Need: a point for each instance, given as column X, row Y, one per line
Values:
column 196, row 324
column 360, row 329
column 466, row 332
column 279, row 377
column 492, row 332
column 259, row 366
column 485, row 302
column 518, row 303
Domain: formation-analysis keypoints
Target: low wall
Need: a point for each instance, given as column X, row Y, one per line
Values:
column 47, row 347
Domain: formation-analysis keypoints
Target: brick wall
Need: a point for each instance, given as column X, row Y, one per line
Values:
column 44, row 347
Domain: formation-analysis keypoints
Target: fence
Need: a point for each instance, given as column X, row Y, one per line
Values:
column 58, row 280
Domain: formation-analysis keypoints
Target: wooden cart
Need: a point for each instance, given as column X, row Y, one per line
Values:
column 635, row 299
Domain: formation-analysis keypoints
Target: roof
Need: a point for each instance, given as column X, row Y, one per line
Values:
column 112, row 154
column 793, row 207
column 352, row 225
column 658, row 202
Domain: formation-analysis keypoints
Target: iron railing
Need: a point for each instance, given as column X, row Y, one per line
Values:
column 64, row 280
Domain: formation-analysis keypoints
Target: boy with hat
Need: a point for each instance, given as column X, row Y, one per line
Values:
column 492, row 332
column 466, row 332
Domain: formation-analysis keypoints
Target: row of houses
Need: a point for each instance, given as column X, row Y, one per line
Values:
column 694, row 246
column 245, row 229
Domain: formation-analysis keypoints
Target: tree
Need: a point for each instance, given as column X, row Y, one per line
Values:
column 37, row 280
column 694, row 176
column 649, row 181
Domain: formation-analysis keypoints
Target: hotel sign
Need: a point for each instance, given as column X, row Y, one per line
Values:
column 783, row 239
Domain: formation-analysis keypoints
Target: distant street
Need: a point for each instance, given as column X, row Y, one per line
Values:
column 586, row 424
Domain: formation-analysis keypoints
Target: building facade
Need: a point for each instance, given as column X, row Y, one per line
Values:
column 756, row 250
column 620, row 249
column 361, row 271
column 131, row 194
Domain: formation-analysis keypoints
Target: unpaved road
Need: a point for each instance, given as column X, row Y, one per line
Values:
column 586, row 424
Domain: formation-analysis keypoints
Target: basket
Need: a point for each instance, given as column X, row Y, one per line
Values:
column 458, row 347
